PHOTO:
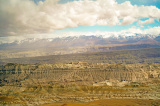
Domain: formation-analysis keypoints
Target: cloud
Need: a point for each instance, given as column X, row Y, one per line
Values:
column 154, row 30
column 128, row 20
column 21, row 17
column 149, row 21
column 133, row 30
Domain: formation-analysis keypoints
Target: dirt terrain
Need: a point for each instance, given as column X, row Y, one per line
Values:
column 80, row 83
column 112, row 102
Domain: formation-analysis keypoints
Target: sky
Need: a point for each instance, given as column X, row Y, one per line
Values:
column 20, row 19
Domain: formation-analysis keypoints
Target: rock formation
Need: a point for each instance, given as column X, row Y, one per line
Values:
column 77, row 82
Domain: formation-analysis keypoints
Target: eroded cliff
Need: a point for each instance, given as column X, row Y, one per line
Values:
column 77, row 82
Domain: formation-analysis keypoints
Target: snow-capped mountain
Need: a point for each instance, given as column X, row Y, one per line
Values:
column 82, row 40
column 76, row 44
column 126, row 36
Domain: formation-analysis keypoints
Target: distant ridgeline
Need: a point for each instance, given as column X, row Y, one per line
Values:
column 150, row 55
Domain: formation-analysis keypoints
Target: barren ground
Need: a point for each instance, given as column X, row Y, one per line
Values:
column 112, row 102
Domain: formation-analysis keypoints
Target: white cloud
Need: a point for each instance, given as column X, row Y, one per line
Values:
column 154, row 30
column 132, row 30
column 149, row 21
column 21, row 17
column 128, row 20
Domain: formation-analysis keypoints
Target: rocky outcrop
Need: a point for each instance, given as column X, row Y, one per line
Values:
column 79, row 72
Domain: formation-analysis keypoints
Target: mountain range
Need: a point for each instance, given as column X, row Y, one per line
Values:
column 32, row 47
